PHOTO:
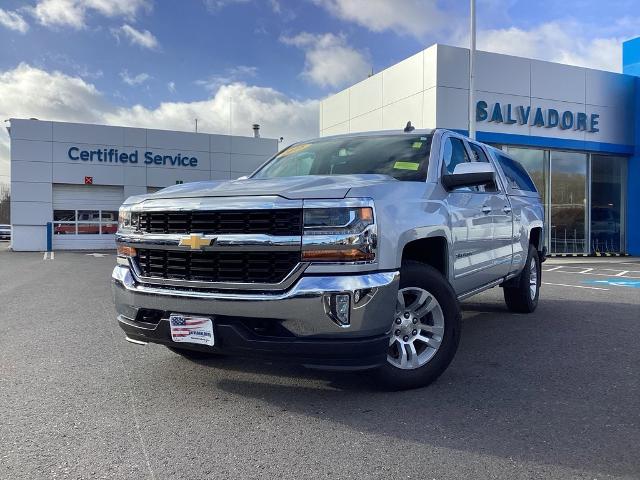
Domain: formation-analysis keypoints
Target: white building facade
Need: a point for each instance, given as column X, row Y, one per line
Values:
column 573, row 129
column 75, row 176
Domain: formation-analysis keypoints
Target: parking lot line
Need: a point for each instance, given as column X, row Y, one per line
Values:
column 622, row 273
column 574, row 286
column 552, row 269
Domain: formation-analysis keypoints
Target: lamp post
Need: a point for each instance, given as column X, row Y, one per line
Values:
column 472, row 54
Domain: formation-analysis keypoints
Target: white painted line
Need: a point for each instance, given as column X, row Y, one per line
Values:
column 552, row 269
column 586, row 270
column 52, row 255
column 44, row 257
column 622, row 273
column 574, row 286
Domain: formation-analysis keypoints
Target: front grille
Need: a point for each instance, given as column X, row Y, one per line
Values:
column 233, row 267
column 276, row 221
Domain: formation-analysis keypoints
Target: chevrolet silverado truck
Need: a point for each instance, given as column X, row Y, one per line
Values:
column 345, row 252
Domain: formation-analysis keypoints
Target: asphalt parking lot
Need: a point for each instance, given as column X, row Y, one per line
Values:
column 555, row 394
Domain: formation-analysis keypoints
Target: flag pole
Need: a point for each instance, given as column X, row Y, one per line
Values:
column 472, row 55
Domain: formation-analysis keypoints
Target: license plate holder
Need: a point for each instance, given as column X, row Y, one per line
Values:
column 191, row 329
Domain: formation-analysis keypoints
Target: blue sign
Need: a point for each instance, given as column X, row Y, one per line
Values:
column 616, row 282
column 112, row 155
column 549, row 118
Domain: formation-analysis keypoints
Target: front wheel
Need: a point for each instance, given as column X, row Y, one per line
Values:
column 521, row 295
column 425, row 330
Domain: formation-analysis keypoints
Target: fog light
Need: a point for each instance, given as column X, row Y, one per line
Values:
column 337, row 306
column 342, row 308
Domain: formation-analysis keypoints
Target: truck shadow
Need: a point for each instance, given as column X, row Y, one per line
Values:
column 549, row 387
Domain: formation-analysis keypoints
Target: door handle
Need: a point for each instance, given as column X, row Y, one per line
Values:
column 486, row 209
column 506, row 209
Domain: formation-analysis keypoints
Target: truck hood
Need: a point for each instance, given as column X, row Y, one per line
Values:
column 312, row 186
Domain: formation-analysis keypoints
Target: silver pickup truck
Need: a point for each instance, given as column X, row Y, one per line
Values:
column 346, row 252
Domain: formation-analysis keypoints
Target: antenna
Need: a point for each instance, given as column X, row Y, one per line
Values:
column 409, row 127
column 196, row 125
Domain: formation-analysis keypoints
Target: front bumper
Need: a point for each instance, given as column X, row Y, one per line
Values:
column 291, row 325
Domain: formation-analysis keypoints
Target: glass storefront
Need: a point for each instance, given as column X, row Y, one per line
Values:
column 607, row 179
column 583, row 198
column 568, row 212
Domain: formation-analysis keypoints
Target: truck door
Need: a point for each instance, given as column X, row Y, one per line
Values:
column 501, row 218
column 470, row 212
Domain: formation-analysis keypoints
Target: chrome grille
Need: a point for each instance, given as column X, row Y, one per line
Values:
column 217, row 266
column 276, row 221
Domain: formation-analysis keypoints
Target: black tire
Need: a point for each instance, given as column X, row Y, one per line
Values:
column 194, row 354
column 416, row 274
column 517, row 294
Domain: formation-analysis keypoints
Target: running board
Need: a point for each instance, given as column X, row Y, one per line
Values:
column 495, row 283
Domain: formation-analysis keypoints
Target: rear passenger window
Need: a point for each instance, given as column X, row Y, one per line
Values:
column 517, row 176
column 454, row 153
column 478, row 153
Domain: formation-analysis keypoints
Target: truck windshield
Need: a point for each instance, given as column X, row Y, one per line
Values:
column 404, row 157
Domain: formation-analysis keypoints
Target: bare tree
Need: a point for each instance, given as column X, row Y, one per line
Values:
column 5, row 201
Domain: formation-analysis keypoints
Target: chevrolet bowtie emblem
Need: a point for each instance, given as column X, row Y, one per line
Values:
column 195, row 241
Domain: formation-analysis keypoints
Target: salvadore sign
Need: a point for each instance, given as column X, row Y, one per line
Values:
column 112, row 155
column 536, row 117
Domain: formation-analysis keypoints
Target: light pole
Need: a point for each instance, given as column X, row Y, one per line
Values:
column 472, row 55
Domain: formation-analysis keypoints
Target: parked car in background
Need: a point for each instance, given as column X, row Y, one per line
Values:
column 350, row 251
column 5, row 232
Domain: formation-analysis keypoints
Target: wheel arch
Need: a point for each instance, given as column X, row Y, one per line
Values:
column 431, row 249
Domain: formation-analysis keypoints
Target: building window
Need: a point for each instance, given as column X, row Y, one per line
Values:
column 85, row 222
column 568, row 202
column 607, row 182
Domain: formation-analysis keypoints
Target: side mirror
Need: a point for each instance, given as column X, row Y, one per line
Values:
column 470, row 174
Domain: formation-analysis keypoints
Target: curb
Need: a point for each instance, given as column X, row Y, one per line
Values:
column 595, row 254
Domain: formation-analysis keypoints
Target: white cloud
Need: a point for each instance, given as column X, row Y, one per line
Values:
column 171, row 86
column 560, row 41
column 405, row 17
column 73, row 13
column 215, row 5
column 13, row 21
column 142, row 38
column 134, row 80
column 230, row 75
column 329, row 60
column 26, row 91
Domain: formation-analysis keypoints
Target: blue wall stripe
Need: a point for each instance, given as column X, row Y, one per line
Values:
column 633, row 188
column 547, row 142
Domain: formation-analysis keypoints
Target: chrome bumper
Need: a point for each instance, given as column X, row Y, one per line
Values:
column 302, row 309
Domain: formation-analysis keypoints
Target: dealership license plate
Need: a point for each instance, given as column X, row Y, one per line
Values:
column 188, row 329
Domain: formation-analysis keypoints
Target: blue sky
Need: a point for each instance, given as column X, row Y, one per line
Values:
column 161, row 63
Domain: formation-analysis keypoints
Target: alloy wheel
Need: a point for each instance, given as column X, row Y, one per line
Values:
column 417, row 329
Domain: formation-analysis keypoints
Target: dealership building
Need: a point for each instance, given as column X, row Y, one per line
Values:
column 74, row 177
column 576, row 130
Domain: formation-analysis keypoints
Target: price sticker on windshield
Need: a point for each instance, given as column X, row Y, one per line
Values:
column 294, row 149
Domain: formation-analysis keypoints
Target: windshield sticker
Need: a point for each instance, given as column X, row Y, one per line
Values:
column 406, row 166
column 293, row 150
column 416, row 145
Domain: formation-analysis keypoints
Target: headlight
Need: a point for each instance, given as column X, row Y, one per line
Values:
column 125, row 219
column 339, row 233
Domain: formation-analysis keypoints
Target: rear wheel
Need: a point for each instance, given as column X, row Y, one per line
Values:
column 521, row 295
column 194, row 354
column 425, row 330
